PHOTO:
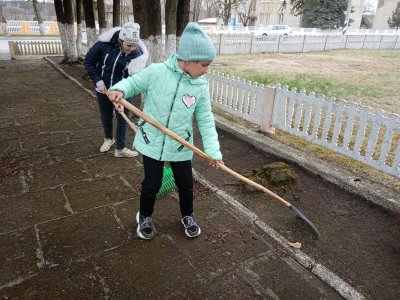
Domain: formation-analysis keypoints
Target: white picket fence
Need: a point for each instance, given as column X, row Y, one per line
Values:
column 351, row 130
column 44, row 47
column 16, row 26
column 239, row 97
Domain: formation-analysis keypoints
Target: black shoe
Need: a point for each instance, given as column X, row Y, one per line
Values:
column 191, row 227
column 145, row 229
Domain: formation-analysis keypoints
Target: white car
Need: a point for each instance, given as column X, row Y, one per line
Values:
column 272, row 30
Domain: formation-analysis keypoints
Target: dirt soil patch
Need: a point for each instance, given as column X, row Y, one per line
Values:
column 359, row 241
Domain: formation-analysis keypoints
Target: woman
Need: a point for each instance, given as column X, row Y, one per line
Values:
column 119, row 52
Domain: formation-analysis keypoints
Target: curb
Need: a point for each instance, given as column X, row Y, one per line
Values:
column 373, row 192
column 323, row 273
column 335, row 282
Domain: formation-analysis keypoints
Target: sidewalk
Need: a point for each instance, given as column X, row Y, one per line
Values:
column 4, row 50
column 67, row 214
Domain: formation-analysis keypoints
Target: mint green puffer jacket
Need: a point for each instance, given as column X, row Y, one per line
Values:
column 172, row 98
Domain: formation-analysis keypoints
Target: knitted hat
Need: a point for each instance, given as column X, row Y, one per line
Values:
column 195, row 45
column 130, row 33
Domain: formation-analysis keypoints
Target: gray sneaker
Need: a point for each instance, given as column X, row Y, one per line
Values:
column 145, row 229
column 191, row 227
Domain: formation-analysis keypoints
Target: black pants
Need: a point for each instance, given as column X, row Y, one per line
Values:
column 153, row 172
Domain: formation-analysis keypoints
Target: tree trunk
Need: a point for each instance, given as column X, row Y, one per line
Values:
column 65, row 19
column 59, row 8
column 79, row 27
column 153, row 13
column 148, row 15
column 70, row 34
column 182, row 16
column 101, row 15
column 139, row 13
column 124, row 12
column 38, row 17
column 116, row 13
column 170, row 27
column 90, row 22
column 3, row 20
column 196, row 10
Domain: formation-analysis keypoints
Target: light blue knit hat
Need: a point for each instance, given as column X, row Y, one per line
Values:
column 195, row 45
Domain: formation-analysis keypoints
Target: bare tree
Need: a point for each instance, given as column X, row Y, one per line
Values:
column 224, row 8
column 182, row 16
column 39, row 18
column 209, row 6
column 196, row 8
column 170, row 27
column 101, row 15
column 248, row 15
column 116, row 13
column 3, row 21
column 124, row 11
column 139, row 12
column 148, row 15
column 65, row 20
column 90, row 22
column 78, row 10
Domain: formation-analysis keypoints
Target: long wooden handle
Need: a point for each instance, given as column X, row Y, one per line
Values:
column 131, row 125
column 200, row 153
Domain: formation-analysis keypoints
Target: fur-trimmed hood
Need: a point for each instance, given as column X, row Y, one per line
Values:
column 137, row 64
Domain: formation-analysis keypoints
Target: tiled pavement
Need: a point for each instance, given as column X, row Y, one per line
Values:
column 67, row 214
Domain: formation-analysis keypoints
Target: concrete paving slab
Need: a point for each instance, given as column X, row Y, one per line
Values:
column 18, row 256
column 105, row 164
column 32, row 208
column 14, row 183
column 85, row 195
column 75, row 238
column 35, row 142
column 55, row 175
column 72, row 151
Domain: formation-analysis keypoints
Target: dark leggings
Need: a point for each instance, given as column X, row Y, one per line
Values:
column 153, row 172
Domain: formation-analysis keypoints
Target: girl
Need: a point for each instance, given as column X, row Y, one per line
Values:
column 175, row 92
column 117, row 54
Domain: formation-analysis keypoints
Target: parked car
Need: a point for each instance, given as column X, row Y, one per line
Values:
column 272, row 30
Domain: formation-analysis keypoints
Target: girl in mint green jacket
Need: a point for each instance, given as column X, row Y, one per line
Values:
column 175, row 92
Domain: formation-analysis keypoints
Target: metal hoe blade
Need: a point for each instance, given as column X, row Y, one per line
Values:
column 305, row 219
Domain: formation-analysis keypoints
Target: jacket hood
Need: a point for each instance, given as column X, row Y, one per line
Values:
column 172, row 63
column 110, row 36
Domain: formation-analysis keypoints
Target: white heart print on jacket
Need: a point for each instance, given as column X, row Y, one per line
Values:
column 188, row 100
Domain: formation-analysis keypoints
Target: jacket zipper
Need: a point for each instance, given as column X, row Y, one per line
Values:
column 144, row 135
column 104, row 65
column 113, row 69
column 187, row 140
column 170, row 112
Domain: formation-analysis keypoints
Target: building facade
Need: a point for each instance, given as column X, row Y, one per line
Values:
column 384, row 11
column 271, row 12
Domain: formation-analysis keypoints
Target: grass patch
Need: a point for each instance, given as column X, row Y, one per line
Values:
column 366, row 77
